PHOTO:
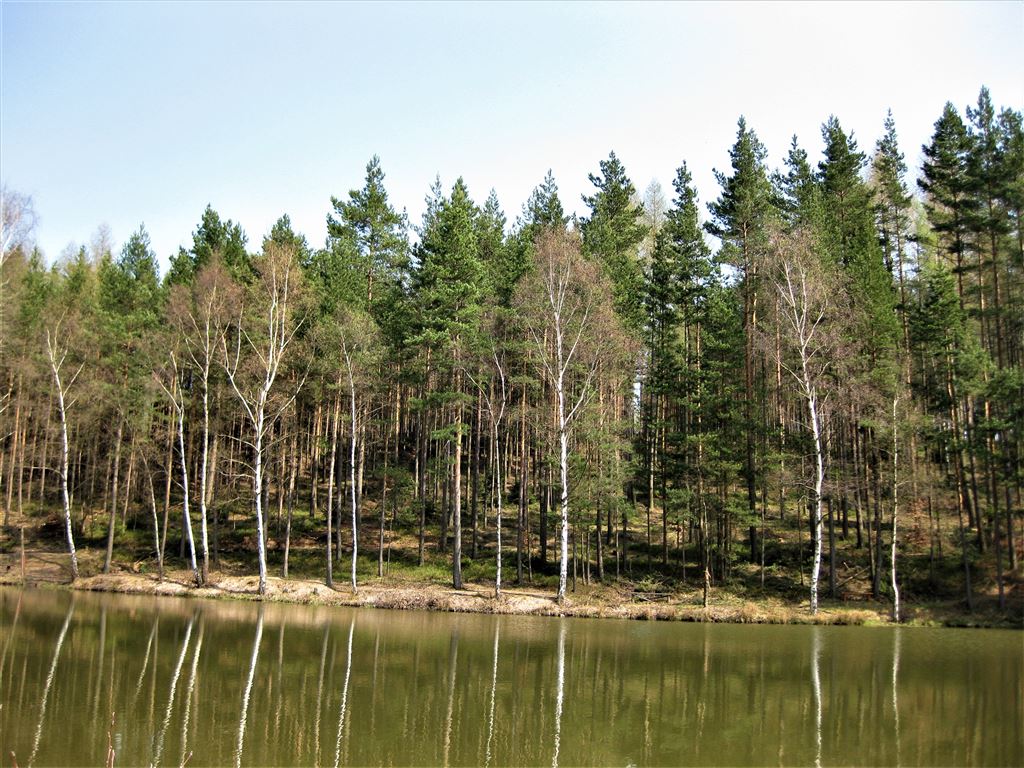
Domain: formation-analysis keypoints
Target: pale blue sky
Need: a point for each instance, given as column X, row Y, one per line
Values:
column 122, row 113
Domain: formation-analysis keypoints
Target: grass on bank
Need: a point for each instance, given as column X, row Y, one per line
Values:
column 637, row 588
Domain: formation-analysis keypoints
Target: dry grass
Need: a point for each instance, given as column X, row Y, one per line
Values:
column 594, row 602
column 404, row 592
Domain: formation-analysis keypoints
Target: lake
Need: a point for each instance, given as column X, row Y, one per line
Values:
column 167, row 681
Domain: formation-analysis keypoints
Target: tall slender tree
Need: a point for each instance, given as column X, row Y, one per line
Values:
column 740, row 219
column 450, row 290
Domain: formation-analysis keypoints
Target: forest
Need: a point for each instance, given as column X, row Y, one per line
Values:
column 810, row 386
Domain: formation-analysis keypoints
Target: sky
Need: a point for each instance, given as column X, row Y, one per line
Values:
column 120, row 114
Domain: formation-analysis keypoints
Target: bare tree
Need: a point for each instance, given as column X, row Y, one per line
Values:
column 247, row 693
column 200, row 315
column 57, row 347
column 170, row 382
column 17, row 220
column 358, row 335
column 654, row 206
column 811, row 317
column 265, row 334
column 566, row 306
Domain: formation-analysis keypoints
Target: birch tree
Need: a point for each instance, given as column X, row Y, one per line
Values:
column 171, row 384
column 566, row 305
column 199, row 312
column 57, row 348
column 265, row 333
column 810, row 313
column 358, row 336
column 17, row 220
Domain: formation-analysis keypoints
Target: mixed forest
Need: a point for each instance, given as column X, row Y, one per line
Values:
column 810, row 385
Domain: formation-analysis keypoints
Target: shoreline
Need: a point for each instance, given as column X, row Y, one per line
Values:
column 600, row 602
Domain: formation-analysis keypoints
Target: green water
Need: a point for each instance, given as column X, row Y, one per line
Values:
column 168, row 681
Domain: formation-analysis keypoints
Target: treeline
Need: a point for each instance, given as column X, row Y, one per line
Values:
column 603, row 392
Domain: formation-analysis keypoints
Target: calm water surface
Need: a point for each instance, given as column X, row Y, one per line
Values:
column 169, row 680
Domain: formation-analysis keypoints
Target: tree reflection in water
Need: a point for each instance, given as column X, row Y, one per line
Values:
column 248, row 687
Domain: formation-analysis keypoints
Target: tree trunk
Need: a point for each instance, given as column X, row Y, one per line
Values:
column 187, row 518
column 330, row 491
column 156, row 525
column 261, row 537
column 522, row 490
column 499, row 495
column 352, row 474
column 831, row 551
column 292, row 477
column 457, row 496
column 168, row 476
column 475, row 475
column 895, row 512
column 112, row 520
column 203, row 473
column 55, row 367
column 422, row 481
column 819, row 480
column 563, row 465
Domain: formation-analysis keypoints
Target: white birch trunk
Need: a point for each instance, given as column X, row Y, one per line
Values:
column 563, row 465
column 352, row 474
column 203, row 473
column 55, row 366
column 65, row 498
column 895, row 514
column 180, row 408
column 563, row 458
column 248, row 689
column 254, row 403
column 497, row 472
column 261, row 542
column 819, row 481
column 156, row 526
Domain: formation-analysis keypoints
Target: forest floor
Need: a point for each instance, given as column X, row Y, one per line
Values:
column 424, row 589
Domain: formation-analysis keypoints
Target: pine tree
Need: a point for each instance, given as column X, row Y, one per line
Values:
column 740, row 218
column 376, row 232
column 212, row 235
column 490, row 234
column 611, row 235
column 129, row 303
column 988, row 181
column 797, row 190
column 892, row 211
column 676, row 291
column 450, row 285
column 544, row 208
column 945, row 184
column 849, row 237
column 1011, row 124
